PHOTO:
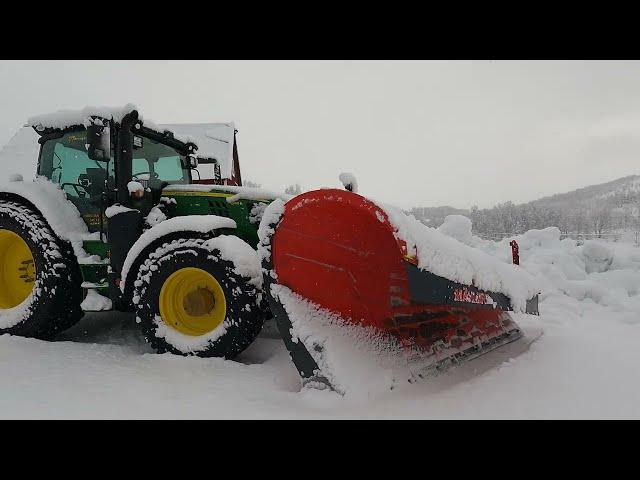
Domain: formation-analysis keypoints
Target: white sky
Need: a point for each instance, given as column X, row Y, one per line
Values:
column 419, row 133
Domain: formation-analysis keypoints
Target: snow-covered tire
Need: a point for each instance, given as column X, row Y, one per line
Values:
column 54, row 302
column 235, row 267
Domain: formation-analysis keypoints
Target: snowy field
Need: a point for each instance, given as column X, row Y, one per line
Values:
column 586, row 364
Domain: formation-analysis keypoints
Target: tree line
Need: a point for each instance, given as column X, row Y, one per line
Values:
column 597, row 217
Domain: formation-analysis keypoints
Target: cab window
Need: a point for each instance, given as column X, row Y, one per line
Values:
column 64, row 161
column 155, row 161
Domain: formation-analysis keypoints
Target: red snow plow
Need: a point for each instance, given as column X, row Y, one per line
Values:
column 338, row 250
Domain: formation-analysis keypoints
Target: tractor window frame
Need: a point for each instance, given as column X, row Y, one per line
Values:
column 81, row 178
column 58, row 134
column 167, row 141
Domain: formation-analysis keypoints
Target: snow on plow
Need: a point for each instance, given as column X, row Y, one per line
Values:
column 352, row 282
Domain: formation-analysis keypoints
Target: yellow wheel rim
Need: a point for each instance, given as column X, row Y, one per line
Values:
column 192, row 302
column 17, row 270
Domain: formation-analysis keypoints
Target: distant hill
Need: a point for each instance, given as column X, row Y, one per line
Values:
column 623, row 190
column 596, row 209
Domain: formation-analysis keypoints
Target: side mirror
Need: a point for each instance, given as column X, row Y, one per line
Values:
column 193, row 160
column 98, row 143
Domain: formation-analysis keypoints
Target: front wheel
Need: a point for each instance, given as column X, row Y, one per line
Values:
column 200, row 297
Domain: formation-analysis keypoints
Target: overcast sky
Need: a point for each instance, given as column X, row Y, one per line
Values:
column 421, row 133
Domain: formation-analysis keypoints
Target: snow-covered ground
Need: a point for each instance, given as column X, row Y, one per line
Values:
column 586, row 364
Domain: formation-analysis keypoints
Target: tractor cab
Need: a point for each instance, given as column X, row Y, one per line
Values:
column 95, row 164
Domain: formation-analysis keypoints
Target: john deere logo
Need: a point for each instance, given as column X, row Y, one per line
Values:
column 91, row 218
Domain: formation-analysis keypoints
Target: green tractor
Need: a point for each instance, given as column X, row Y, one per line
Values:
column 115, row 220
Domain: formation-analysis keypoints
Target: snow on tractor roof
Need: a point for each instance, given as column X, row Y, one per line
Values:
column 68, row 118
column 62, row 119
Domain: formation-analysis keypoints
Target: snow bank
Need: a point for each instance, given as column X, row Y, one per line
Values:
column 458, row 227
column 607, row 274
column 597, row 256
column 544, row 238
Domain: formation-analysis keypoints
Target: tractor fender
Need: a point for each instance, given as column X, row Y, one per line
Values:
column 51, row 202
column 165, row 232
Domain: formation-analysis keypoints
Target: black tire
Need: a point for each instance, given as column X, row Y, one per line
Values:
column 54, row 304
column 126, row 304
column 244, row 315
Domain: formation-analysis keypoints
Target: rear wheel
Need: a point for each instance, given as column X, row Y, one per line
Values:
column 192, row 299
column 17, row 269
column 40, row 291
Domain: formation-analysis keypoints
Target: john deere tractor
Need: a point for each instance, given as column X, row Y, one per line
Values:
column 114, row 220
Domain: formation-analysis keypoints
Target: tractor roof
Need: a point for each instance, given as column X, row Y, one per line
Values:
column 69, row 119
column 64, row 119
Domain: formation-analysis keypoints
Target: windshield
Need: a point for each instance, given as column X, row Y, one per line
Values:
column 155, row 161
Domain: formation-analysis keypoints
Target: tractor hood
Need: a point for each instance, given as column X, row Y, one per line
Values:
column 232, row 193
column 241, row 204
